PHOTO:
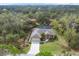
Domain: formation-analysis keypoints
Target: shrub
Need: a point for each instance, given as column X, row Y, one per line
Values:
column 72, row 38
column 12, row 37
column 1, row 38
column 45, row 53
column 42, row 36
column 22, row 34
column 11, row 49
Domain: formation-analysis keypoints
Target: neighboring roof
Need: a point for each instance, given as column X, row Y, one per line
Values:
column 32, row 19
column 44, row 27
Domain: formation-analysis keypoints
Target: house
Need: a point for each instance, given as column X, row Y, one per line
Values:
column 33, row 20
column 36, row 35
column 36, row 32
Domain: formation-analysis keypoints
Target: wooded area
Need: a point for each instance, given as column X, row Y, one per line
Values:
column 17, row 22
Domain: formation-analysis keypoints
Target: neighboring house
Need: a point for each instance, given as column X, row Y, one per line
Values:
column 74, row 25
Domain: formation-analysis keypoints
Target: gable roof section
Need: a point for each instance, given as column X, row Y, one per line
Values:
column 35, row 35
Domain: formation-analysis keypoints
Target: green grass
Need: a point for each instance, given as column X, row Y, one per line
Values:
column 50, row 49
column 13, row 50
column 25, row 50
column 56, row 47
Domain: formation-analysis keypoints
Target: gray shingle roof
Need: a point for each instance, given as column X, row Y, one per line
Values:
column 37, row 32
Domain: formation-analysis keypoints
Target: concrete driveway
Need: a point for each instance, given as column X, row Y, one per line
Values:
column 35, row 45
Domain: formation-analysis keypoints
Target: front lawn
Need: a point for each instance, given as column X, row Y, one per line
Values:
column 50, row 48
column 12, row 50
